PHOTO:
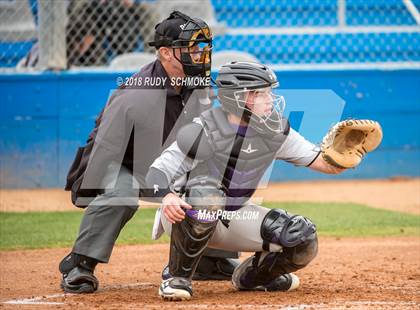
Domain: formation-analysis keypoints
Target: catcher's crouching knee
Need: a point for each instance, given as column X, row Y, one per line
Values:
column 295, row 233
column 301, row 255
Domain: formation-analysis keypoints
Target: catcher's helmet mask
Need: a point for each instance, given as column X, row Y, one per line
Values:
column 236, row 80
column 180, row 31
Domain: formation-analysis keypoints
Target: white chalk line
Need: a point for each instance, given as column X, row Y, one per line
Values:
column 39, row 300
column 342, row 305
column 36, row 300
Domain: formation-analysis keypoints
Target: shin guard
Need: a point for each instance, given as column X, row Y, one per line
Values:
column 190, row 237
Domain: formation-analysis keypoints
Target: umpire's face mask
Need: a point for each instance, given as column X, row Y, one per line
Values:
column 195, row 43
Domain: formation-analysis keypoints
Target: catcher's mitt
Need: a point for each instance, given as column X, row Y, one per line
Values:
column 347, row 142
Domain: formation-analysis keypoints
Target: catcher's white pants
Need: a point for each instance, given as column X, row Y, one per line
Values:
column 242, row 235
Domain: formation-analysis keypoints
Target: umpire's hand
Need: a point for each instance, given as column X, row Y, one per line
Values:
column 173, row 207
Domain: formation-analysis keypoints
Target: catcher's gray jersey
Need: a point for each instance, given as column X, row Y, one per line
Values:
column 175, row 164
column 242, row 234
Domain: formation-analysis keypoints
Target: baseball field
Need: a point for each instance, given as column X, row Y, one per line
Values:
column 369, row 252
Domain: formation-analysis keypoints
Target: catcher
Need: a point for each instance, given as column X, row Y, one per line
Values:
column 223, row 155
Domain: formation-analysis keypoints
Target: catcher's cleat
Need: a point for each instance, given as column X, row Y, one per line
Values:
column 242, row 279
column 210, row 268
column 175, row 289
column 79, row 281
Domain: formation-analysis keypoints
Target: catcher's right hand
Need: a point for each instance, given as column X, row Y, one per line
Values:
column 173, row 208
column 348, row 141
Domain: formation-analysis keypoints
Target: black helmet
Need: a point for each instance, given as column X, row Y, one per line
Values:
column 236, row 80
column 182, row 31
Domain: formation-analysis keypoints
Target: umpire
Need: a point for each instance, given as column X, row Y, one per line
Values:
column 138, row 122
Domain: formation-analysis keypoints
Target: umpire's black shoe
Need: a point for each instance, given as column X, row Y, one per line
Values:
column 210, row 268
column 77, row 271
column 78, row 281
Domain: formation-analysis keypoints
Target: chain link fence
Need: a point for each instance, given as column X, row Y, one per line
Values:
column 97, row 31
column 18, row 30
column 59, row 34
column 62, row 34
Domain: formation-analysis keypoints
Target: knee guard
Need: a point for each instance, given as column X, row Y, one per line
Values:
column 296, row 234
column 190, row 237
column 286, row 229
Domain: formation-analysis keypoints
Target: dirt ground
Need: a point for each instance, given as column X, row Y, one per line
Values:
column 402, row 194
column 374, row 273
column 348, row 273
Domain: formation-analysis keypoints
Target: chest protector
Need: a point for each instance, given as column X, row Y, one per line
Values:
column 240, row 156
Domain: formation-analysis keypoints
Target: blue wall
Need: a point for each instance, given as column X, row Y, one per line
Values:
column 44, row 117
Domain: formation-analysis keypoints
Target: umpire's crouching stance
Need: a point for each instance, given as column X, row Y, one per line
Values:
column 139, row 120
